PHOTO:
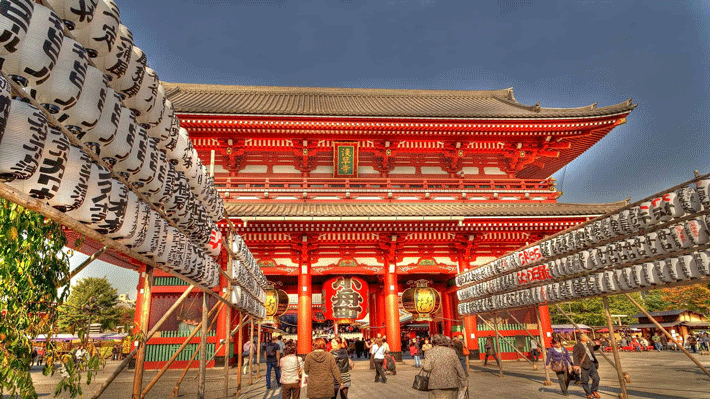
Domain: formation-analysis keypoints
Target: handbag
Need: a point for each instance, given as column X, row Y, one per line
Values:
column 421, row 382
column 557, row 367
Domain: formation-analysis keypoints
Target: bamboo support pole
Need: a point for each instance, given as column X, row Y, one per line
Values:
column 617, row 359
column 532, row 337
column 87, row 262
column 152, row 332
column 612, row 363
column 547, row 382
column 258, row 350
column 499, row 335
column 660, row 327
column 179, row 350
column 145, row 315
column 203, row 351
column 240, row 354
column 251, row 352
column 221, row 345
column 228, row 319
column 496, row 343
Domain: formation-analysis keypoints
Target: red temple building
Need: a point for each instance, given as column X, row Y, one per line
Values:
column 391, row 186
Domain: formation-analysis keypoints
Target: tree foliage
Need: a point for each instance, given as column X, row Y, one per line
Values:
column 33, row 270
column 92, row 300
column 590, row 311
column 692, row 297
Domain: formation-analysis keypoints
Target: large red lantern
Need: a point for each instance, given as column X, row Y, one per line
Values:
column 276, row 303
column 345, row 299
column 421, row 301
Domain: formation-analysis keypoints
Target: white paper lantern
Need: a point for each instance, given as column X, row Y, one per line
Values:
column 171, row 241
column 85, row 114
column 156, row 224
column 168, row 144
column 162, row 197
column 702, row 188
column 142, row 223
column 655, row 245
column 689, row 200
column 181, row 155
column 159, row 174
column 5, row 102
column 99, row 36
column 144, row 100
column 129, row 84
column 63, row 88
column 639, row 275
column 22, row 140
column 646, row 217
column 665, row 237
column 45, row 182
column 76, row 14
column 698, row 230
column 95, row 206
column 162, row 130
column 652, row 275
column 116, row 209
column 214, row 246
column 124, row 143
column 101, row 136
column 672, row 203
column 660, row 211
column 133, row 161
column 75, row 183
column 14, row 22
column 37, row 53
column 129, row 224
column 702, row 262
column 147, row 171
column 152, row 115
column 681, row 236
column 115, row 63
column 689, row 268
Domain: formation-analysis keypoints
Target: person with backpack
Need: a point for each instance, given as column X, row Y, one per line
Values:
column 345, row 364
column 272, row 356
column 390, row 364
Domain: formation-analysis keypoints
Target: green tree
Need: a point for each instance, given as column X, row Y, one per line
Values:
column 590, row 311
column 692, row 297
column 92, row 300
column 33, row 275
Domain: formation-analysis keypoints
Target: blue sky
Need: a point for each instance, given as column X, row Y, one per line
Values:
column 560, row 53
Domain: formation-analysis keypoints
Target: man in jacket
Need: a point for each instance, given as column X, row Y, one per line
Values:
column 447, row 375
column 585, row 361
column 322, row 370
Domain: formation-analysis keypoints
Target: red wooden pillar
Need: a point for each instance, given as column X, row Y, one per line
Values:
column 372, row 303
column 447, row 310
column 222, row 333
column 305, row 318
column 546, row 323
column 380, row 312
column 392, row 309
column 470, row 324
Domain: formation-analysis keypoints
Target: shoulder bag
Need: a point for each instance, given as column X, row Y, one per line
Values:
column 421, row 382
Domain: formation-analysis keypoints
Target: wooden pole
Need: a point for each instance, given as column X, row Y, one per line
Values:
column 87, row 262
column 145, row 319
column 547, row 382
column 542, row 348
column 514, row 348
column 258, row 350
column 170, row 361
column 660, row 327
column 497, row 344
column 228, row 320
column 251, row 352
column 203, row 350
column 152, row 332
column 176, row 389
column 240, row 355
column 617, row 360
column 612, row 363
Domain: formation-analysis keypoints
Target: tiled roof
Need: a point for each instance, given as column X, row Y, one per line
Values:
column 675, row 312
column 444, row 210
column 312, row 101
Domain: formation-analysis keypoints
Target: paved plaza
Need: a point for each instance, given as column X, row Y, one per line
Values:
column 665, row 375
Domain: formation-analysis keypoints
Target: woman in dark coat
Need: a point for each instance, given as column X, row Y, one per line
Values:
column 447, row 376
column 560, row 355
column 322, row 370
column 490, row 351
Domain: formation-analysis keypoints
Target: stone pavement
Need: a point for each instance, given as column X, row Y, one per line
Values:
column 664, row 375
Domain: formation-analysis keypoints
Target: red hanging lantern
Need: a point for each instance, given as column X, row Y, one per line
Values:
column 345, row 299
column 276, row 303
column 421, row 301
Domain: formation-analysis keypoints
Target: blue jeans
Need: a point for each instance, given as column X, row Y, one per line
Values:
column 272, row 365
column 658, row 346
column 417, row 361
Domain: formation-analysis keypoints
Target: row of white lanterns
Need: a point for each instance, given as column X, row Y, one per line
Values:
column 118, row 109
column 248, row 293
column 661, row 273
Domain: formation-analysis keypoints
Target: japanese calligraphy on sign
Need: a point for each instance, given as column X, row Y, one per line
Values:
column 345, row 159
column 345, row 299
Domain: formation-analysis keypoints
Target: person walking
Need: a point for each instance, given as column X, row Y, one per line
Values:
column 359, row 347
column 534, row 350
column 559, row 361
column 490, row 351
column 587, row 364
column 425, row 347
column 291, row 370
column 416, row 351
column 446, row 374
column 378, row 356
column 246, row 356
column 457, row 344
column 272, row 356
column 321, row 368
column 344, row 365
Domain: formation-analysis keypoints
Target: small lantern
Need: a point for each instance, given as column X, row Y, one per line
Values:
column 276, row 303
column 129, row 223
column 179, row 155
column 116, row 211
column 22, row 140
column 75, row 182
column 63, row 88
column 14, row 22
column 36, row 54
column 99, row 36
column 155, row 111
column 76, row 13
column 85, row 114
column 162, row 130
column 95, row 205
column 45, row 182
column 421, row 301
column 115, row 63
column 345, row 299
column 144, row 100
column 214, row 246
column 129, row 84
column 102, row 135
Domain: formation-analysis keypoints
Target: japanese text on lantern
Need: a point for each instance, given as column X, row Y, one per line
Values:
column 529, row 255
column 346, row 301
column 533, row 274
column 425, row 300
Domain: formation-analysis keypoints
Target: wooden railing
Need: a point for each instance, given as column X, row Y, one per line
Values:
column 249, row 188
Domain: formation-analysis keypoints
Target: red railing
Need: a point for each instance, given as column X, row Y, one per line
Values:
column 385, row 189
